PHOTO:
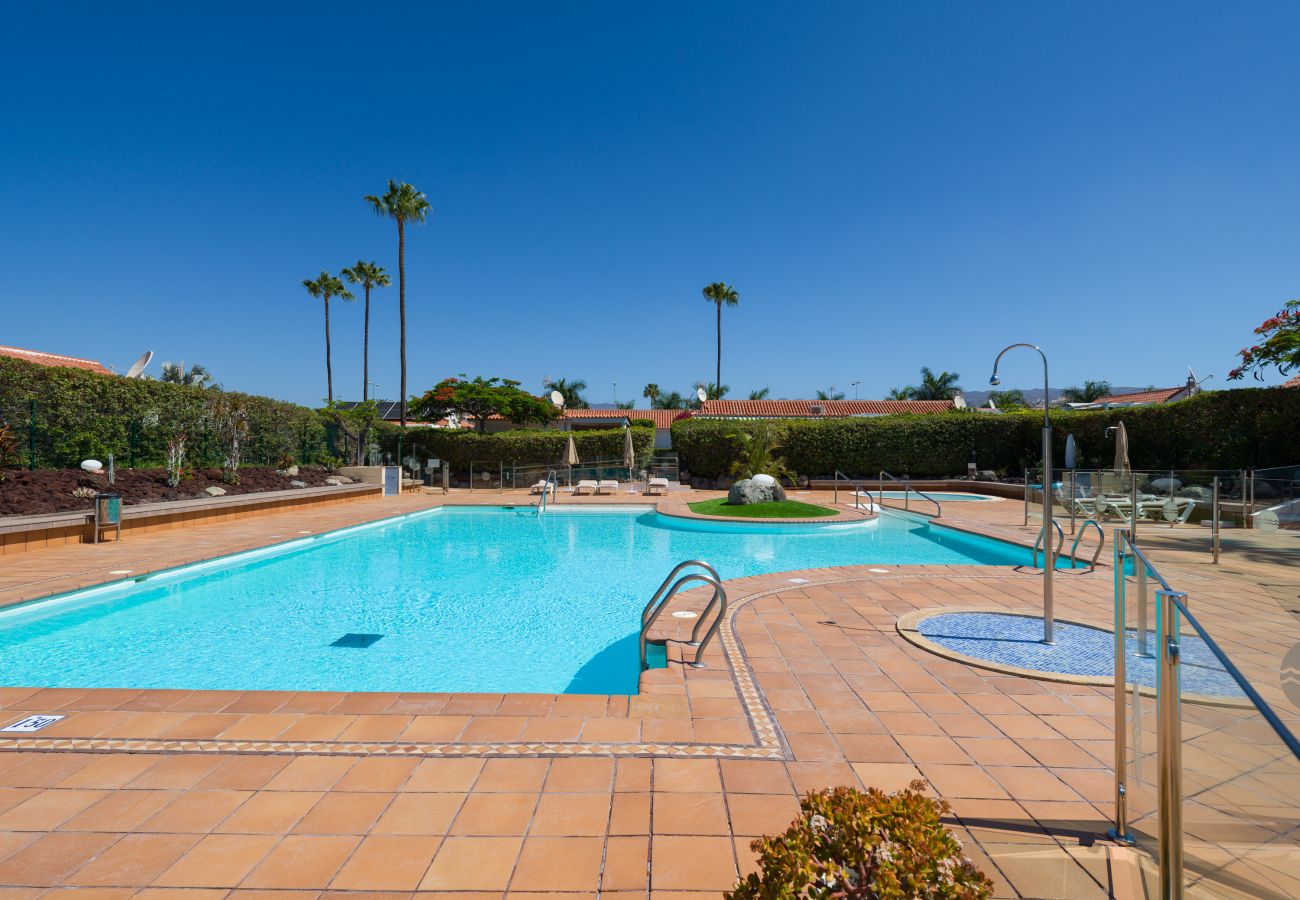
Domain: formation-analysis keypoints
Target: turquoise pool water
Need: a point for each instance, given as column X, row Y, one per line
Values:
column 458, row 599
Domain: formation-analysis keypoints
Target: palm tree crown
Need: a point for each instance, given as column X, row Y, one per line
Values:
column 401, row 203
column 1090, row 392
column 197, row 376
column 571, row 391
column 719, row 293
column 760, row 394
column 325, row 286
column 651, row 393
column 368, row 275
column 830, row 394
column 943, row 386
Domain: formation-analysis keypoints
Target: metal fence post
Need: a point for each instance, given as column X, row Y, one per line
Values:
column 1073, row 497
column 1169, row 725
column 1214, row 519
column 1133, row 511
column 1026, row 496
column 1120, row 832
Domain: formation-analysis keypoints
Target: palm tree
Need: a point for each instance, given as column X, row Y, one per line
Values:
column 571, row 391
column 651, row 393
column 760, row 394
column 719, row 293
column 670, row 400
column 903, row 393
column 1089, row 393
column 714, row 391
column 325, row 286
column 1008, row 399
column 404, row 204
column 197, row 376
column 943, row 386
column 830, row 394
column 368, row 275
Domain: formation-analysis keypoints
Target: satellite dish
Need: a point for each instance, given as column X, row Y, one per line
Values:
column 557, row 398
column 702, row 394
column 138, row 367
column 959, row 402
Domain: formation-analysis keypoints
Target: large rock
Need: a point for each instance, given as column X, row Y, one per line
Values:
column 778, row 492
column 746, row 491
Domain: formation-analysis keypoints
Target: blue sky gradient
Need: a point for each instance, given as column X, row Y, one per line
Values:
column 888, row 185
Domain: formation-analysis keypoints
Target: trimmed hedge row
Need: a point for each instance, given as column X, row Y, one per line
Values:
column 529, row 446
column 1215, row 430
column 81, row 415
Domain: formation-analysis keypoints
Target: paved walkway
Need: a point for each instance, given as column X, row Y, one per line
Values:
column 313, row 794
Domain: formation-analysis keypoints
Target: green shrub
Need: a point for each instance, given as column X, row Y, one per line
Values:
column 1254, row 428
column 853, row 844
column 527, row 446
column 82, row 414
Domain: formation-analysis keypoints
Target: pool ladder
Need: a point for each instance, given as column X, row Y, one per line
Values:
column 669, row 589
column 547, row 482
column 1074, row 547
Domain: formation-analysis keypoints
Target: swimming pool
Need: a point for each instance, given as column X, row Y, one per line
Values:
column 941, row 496
column 465, row 599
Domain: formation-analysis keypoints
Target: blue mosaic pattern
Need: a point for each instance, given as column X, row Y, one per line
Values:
column 1016, row 640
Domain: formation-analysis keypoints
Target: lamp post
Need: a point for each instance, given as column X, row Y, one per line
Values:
column 855, row 389
column 1049, row 551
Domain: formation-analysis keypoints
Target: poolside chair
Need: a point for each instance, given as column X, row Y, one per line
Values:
column 585, row 485
column 542, row 487
column 656, row 486
column 606, row 485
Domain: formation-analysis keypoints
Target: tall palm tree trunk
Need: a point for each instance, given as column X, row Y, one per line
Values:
column 329, row 369
column 365, row 352
column 401, row 307
column 717, row 376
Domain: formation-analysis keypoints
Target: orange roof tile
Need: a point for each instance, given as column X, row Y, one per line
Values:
column 1291, row 382
column 663, row 418
column 54, row 359
column 1158, row 395
column 800, row 409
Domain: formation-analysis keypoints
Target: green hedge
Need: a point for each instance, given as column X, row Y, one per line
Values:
column 1236, row 429
column 528, row 446
column 81, row 415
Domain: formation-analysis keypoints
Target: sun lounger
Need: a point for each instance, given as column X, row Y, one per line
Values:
column 657, row 486
column 542, row 487
column 586, row 485
column 604, row 485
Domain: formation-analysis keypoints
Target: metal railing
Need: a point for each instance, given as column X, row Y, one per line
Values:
column 857, row 490
column 908, row 490
column 1074, row 547
column 1038, row 542
column 659, row 602
column 548, row 488
column 1246, row 812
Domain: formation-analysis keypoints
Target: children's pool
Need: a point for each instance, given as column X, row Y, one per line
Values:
column 453, row 599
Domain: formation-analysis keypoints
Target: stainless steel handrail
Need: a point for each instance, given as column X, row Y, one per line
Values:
column 659, row 602
column 1101, row 542
column 1038, row 542
column 548, row 485
column 857, row 489
column 908, row 489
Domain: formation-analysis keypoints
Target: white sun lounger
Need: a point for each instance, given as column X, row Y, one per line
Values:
column 656, row 486
column 542, row 487
column 586, row 484
column 604, row 485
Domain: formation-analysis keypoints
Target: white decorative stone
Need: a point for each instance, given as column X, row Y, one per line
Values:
column 215, row 491
column 91, row 465
column 297, row 484
column 765, row 479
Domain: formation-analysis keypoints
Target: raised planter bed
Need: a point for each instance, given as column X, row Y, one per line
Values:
column 19, row 534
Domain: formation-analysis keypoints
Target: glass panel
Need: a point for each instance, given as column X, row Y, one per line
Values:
column 1142, row 772
column 1241, row 786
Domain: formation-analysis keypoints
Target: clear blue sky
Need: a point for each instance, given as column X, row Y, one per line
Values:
column 887, row 184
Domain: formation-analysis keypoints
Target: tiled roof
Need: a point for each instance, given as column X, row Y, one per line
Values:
column 1291, row 382
column 1159, row 395
column 663, row 418
column 799, row 409
column 54, row 359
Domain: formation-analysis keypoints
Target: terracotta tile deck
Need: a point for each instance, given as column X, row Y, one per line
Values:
column 283, row 794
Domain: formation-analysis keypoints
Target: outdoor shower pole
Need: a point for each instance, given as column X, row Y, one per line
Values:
column 1049, row 550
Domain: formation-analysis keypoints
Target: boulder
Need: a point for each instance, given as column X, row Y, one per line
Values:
column 747, row 491
column 296, row 483
column 215, row 491
column 338, row 479
column 1197, row 492
column 987, row 475
column 778, row 492
column 1165, row 485
column 291, row 472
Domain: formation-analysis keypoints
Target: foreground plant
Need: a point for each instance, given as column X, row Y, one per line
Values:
column 1280, row 344
column 864, row 845
column 229, row 419
column 176, row 457
column 757, row 450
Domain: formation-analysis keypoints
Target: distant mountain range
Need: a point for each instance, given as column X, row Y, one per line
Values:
column 1035, row 395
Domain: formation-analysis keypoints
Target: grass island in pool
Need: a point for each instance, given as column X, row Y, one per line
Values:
column 776, row 509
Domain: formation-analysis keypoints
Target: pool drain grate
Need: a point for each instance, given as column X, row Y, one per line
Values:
column 357, row 640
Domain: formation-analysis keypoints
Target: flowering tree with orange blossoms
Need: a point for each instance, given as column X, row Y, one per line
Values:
column 1280, row 345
